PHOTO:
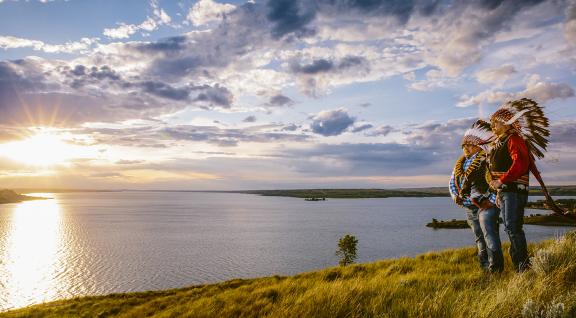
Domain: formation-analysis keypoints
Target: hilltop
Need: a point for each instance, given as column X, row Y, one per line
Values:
column 437, row 284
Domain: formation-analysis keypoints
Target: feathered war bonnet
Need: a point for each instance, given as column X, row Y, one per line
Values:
column 479, row 135
column 527, row 118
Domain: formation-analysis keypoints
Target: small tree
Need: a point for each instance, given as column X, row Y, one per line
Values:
column 347, row 249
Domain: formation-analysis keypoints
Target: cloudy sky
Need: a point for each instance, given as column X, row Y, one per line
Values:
column 222, row 95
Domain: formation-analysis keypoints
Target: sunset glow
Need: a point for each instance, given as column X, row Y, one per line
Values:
column 43, row 149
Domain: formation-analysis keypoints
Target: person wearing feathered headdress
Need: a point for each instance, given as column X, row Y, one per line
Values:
column 522, row 130
column 469, row 189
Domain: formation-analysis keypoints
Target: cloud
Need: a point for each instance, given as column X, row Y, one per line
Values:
column 290, row 127
column 326, row 66
column 213, row 96
column 289, row 16
column 563, row 133
column 123, row 31
column 207, row 11
column 249, row 119
column 129, row 162
column 535, row 89
column 362, row 128
column 316, row 76
column 466, row 40
column 570, row 24
column 227, row 137
column 496, row 75
column 331, row 122
column 166, row 91
column 107, row 175
column 442, row 137
column 280, row 100
column 382, row 131
column 363, row 159
column 81, row 46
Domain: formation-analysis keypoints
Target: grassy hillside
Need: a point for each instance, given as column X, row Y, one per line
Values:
column 444, row 284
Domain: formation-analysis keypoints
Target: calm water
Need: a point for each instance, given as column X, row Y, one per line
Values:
column 99, row 243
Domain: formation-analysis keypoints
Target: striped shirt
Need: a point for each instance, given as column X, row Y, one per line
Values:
column 474, row 193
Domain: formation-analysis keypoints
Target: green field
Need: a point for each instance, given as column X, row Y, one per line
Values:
column 443, row 284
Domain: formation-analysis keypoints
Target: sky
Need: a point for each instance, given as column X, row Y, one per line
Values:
column 278, row 94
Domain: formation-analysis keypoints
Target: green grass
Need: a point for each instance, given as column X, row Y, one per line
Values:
column 443, row 284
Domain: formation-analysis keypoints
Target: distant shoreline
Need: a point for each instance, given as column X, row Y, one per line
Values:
column 323, row 193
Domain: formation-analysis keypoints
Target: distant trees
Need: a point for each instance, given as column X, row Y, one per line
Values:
column 347, row 249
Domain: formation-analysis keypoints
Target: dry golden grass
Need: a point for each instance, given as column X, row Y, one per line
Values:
column 443, row 284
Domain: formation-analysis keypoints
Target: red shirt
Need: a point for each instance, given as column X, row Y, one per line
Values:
column 520, row 159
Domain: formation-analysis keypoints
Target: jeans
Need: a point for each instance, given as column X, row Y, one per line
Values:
column 484, row 224
column 512, row 207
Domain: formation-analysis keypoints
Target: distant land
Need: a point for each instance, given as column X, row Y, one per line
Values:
column 569, row 190
column 10, row 196
column 390, row 193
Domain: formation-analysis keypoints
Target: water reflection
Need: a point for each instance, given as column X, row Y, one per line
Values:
column 32, row 255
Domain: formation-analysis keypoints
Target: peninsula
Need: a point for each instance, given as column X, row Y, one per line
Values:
column 10, row 196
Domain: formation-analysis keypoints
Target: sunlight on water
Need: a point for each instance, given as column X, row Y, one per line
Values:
column 32, row 257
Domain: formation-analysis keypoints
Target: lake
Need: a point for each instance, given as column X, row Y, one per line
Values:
column 99, row 243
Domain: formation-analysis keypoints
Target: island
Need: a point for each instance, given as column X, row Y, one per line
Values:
column 10, row 196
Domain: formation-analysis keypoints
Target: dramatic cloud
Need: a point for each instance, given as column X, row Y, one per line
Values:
column 331, row 122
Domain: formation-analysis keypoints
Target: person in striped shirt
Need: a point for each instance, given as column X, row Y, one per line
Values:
column 470, row 190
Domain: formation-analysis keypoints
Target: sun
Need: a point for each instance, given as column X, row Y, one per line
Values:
column 44, row 148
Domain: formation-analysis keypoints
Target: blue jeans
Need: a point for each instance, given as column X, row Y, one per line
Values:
column 484, row 224
column 512, row 207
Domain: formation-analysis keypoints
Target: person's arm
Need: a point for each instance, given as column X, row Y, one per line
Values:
column 454, row 191
column 520, row 159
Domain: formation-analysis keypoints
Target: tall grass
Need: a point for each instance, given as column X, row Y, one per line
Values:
column 444, row 284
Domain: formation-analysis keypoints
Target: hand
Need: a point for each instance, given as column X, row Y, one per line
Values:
column 458, row 200
column 495, row 184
